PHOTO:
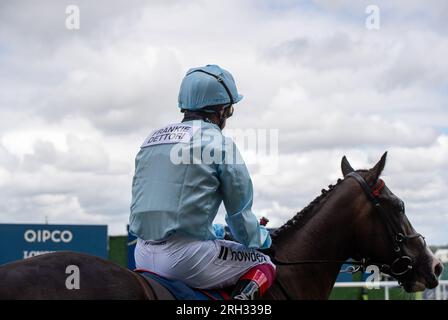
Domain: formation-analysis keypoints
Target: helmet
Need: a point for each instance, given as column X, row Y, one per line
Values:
column 207, row 86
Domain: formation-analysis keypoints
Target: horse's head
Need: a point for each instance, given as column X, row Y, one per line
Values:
column 384, row 234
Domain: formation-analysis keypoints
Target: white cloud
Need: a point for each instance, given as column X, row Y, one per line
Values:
column 76, row 105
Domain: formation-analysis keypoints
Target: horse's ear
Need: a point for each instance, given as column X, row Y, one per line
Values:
column 345, row 166
column 376, row 171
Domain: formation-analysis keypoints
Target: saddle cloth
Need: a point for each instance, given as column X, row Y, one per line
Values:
column 181, row 291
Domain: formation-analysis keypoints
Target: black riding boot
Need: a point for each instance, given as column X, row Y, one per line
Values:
column 246, row 290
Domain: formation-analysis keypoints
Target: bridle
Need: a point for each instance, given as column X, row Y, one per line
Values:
column 401, row 265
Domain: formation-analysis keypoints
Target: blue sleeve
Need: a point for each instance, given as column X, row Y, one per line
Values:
column 237, row 192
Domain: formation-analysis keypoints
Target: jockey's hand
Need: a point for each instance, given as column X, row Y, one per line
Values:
column 223, row 232
column 219, row 231
column 264, row 221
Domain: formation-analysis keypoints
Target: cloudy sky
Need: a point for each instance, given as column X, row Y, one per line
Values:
column 75, row 105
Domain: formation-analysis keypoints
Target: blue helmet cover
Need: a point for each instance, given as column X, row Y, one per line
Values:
column 199, row 89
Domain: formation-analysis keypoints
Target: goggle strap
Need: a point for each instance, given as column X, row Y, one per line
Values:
column 220, row 80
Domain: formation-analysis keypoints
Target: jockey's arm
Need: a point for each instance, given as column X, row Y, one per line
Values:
column 237, row 192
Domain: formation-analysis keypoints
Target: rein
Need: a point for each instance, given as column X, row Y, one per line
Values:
column 402, row 263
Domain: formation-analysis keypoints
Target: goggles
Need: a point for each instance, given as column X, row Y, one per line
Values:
column 228, row 111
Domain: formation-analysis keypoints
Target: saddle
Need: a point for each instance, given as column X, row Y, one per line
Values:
column 167, row 289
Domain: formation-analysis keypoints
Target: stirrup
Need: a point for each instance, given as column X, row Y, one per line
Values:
column 246, row 290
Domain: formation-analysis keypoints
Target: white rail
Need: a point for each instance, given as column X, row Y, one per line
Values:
column 441, row 292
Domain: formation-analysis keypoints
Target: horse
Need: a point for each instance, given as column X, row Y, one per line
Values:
column 359, row 218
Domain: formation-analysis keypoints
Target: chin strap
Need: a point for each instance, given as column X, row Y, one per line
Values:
column 222, row 119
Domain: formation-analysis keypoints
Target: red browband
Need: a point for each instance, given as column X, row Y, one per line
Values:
column 377, row 188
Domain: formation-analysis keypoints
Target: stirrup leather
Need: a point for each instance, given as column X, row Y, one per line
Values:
column 246, row 290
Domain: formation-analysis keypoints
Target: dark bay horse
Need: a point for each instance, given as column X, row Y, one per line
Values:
column 357, row 218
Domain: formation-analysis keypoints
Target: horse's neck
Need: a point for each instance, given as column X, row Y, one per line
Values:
column 326, row 236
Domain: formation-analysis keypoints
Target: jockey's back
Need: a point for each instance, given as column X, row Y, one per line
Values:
column 187, row 180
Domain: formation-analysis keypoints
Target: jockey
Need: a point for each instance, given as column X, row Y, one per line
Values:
column 175, row 198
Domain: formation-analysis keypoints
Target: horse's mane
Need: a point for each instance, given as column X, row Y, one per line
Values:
column 303, row 216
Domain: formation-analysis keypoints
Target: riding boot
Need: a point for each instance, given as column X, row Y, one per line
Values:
column 254, row 283
column 246, row 290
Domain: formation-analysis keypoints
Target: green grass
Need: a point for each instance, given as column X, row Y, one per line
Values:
column 118, row 250
column 445, row 272
column 369, row 294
